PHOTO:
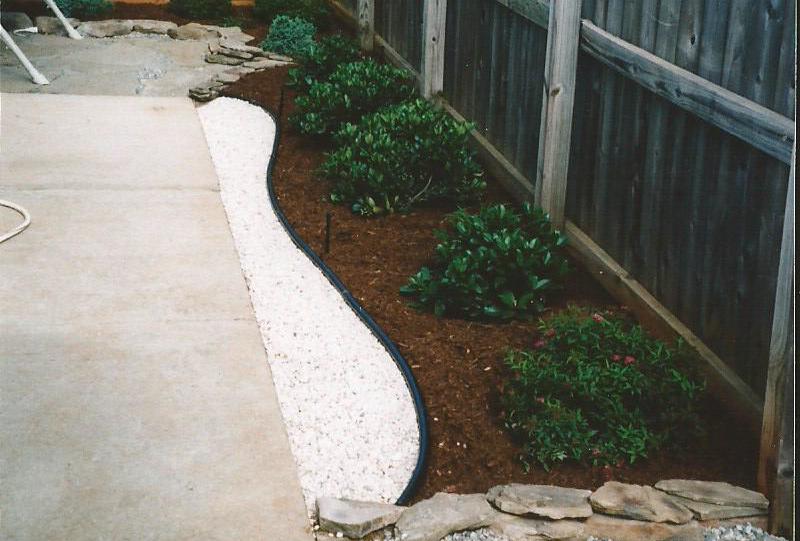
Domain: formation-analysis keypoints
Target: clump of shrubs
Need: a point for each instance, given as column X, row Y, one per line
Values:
column 201, row 9
column 496, row 264
column 291, row 36
column 84, row 8
column 353, row 90
column 596, row 389
column 322, row 61
column 402, row 156
column 315, row 11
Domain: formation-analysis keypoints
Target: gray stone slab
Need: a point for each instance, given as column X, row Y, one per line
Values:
column 353, row 518
column 137, row 400
column 541, row 500
column 708, row 511
column 638, row 502
column 715, row 492
column 514, row 528
column 51, row 25
column 434, row 518
column 149, row 26
column 106, row 29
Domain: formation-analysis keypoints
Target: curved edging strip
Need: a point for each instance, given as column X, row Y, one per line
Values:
column 363, row 315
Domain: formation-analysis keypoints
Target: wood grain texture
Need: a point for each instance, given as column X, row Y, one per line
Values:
column 555, row 134
column 434, row 18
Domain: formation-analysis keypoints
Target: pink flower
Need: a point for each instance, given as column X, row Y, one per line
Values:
column 540, row 399
column 539, row 344
column 629, row 360
column 598, row 318
column 616, row 358
column 550, row 333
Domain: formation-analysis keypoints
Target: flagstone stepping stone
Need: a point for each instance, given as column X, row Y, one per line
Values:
column 14, row 20
column 194, row 31
column 215, row 58
column 443, row 514
column 622, row 529
column 638, row 502
column 514, row 528
column 353, row 518
column 709, row 511
column 106, row 29
column 234, row 45
column 150, row 26
column 714, row 492
column 264, row 63
column 541, row 500
column 51, row 25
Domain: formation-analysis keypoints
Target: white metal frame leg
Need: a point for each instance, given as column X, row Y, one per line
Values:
column 37, row 77
column 70, row 31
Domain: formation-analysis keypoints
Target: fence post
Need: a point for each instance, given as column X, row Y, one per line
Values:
column 776, row 461
column 366, row 24
column 434, row 19
column 555, row 132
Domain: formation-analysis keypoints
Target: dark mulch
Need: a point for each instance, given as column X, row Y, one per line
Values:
column 458, row 364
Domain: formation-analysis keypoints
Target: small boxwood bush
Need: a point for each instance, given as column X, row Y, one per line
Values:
column 493, row 264
column 402, row 156
column 290, row 36
column 201, row 9
column 84, row 8
column 596, row 389
column 316, row 11
column 327, row 55
column 352, row 91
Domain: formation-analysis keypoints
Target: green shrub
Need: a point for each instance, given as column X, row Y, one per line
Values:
column 290, row 36
column 201, row 9
column 495, row 264
column 323, row 60
column 401, row 156
column 316, row 11
column 84, row 8
column 597, row 389
column 352, row 91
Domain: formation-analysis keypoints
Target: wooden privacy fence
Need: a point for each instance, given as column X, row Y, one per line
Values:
column 659, row 135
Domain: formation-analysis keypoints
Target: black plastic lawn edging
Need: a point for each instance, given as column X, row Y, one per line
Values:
column 377, row 331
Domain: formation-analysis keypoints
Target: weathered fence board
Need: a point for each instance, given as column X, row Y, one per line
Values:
column 494, row 68
column 399, row 22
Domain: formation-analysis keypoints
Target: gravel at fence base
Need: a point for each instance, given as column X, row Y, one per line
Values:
column 349, row 415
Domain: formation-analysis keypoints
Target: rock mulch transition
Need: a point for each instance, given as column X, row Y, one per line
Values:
column 226, row 46
column 676, row 509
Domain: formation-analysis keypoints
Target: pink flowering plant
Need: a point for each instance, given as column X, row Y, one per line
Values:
column 596, row 389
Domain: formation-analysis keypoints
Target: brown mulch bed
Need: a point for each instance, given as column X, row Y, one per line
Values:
column 458, row 364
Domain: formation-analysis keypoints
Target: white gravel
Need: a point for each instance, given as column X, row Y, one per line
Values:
column 349, row 415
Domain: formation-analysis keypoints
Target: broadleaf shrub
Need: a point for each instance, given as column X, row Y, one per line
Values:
column 201, row 9
column 84, row 8
column 353, row 90
column 596, row 389
column 326, row 56
column 315, row 11
column 290, row 36
column 402, row 156
column 493, row 264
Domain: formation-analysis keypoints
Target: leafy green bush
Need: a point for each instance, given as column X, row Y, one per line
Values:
column 290, row 36
column 84, row 8
column 597, row 389
column 495, row 264
column 201, row 9
column 352, row 91
column 323, row 60
column 315, row 11
column 401, row 156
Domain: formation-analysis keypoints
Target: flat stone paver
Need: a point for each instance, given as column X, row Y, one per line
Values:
column 136, row 400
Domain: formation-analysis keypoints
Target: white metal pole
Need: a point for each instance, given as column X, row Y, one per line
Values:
column 37, row 77
column 70, row 31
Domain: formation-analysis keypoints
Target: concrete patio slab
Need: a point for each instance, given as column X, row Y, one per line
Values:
column 136, row 400
column 135, row 64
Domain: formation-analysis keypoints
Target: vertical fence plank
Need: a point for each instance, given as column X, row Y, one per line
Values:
column 560, row 70
column 434, row 20
column 776, row 463
column 366, row 24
